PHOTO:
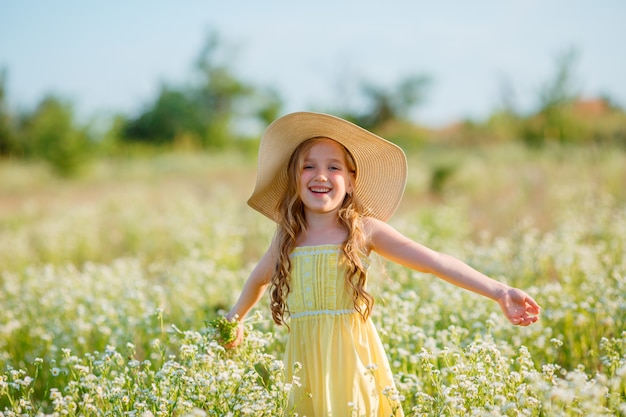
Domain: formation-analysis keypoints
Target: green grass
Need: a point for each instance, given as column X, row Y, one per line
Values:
column 108, row 281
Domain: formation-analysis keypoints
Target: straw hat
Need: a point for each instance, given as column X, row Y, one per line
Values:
column 381, row 166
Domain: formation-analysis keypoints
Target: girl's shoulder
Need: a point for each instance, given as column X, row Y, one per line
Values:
column 371, row 227
column 380, row 234
column 371, row 224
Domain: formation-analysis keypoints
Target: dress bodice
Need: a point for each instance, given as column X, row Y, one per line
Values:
column 318, row 282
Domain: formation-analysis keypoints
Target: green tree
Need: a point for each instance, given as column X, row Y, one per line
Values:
column 218, row 94
column 384, row 104
column 7, row 136
column 207, row 109
column 553, row 120
column 50, row 133
column 506, row 121
column 269, row 106
column 172, row 114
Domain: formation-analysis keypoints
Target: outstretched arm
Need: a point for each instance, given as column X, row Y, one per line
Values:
column 518, row 307
column 252, row 292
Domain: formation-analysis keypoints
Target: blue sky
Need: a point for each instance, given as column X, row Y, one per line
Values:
column 112, row 56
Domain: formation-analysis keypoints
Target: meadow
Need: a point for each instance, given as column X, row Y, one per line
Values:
column 109, row 282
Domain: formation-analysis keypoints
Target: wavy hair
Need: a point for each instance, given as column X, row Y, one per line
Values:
column 292, row 224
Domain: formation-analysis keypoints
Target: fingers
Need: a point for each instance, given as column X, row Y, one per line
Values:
column 234, row 343
column 528, row 315
column 534, row 307
column 520, row 308
column 528, row 320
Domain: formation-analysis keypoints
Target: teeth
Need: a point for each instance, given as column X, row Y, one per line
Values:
column 320, row 190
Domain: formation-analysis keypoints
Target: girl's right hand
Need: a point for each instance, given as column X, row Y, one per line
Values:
column 238, row 338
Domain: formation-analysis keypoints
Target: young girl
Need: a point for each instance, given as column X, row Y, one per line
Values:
column 331, row 186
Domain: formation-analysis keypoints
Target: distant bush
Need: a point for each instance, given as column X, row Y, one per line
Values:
column 50, row 134
column 206, row 113
column 582, row 122
column 7, row 135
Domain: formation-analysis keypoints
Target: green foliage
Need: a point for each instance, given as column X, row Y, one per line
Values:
column 217, row 110
column 386, row 105
column 269, row 106
column 225, row 331
column 440, row 175
column 172, row 115
column 7, row 134
column 205, row 112
column 560, row 115
column 405, row 134
column 553, row 120
column 49, row 133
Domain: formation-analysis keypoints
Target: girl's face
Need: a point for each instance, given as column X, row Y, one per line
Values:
column 325, row 177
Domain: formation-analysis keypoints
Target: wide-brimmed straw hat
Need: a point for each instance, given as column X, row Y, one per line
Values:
column 381, row 167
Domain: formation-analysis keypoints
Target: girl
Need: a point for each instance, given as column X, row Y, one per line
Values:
column 331, row 186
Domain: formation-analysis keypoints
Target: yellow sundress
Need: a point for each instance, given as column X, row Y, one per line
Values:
column 344, row 368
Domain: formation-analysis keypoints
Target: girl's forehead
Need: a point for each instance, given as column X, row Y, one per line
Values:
column 326, row 146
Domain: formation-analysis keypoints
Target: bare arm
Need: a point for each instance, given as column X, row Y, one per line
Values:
column 518, row 307
column 253, row 290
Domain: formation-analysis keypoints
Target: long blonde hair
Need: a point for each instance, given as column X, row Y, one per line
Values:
column 292, row 224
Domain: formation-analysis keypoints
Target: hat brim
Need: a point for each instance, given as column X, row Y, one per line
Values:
column 381, row 165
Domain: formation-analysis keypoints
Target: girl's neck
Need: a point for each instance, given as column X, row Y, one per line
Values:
column 322, row 230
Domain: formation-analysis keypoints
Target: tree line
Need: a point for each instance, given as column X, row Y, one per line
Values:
column 210, row 113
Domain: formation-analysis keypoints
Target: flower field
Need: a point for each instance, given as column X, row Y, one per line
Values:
column 109, row 282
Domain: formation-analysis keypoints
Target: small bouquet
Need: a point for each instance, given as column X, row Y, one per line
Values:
column 225, row 330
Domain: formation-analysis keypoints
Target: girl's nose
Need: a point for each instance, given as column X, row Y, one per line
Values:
column 321, row 177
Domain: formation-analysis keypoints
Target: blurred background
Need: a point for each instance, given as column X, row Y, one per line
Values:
column 82, row 79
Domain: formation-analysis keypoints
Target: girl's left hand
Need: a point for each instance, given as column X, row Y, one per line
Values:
column 519, row 307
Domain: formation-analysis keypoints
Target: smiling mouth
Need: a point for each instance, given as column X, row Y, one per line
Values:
column 319, row 190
